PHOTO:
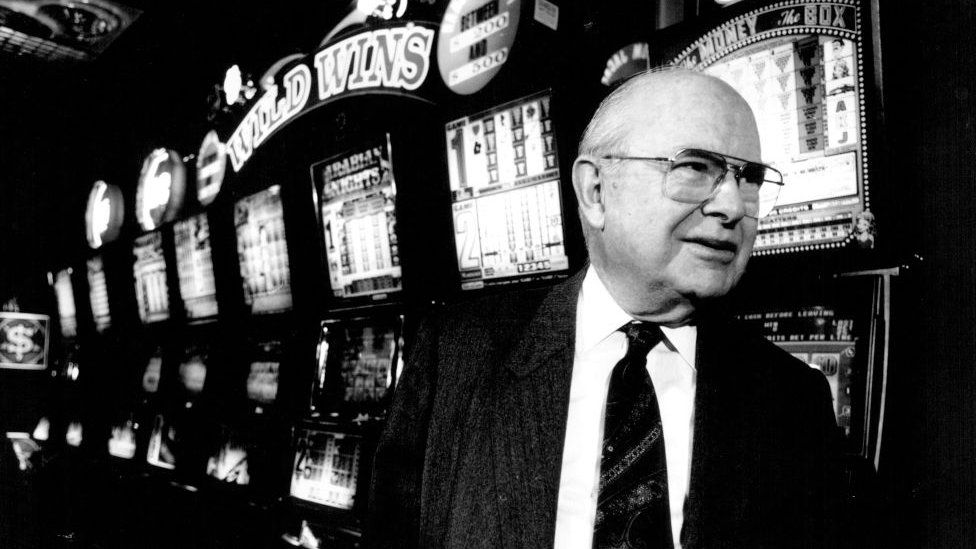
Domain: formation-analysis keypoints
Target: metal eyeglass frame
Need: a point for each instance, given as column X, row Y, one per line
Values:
column 736, row 170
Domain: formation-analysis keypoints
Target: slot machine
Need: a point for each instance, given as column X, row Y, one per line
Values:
column 341, row 175
column 263, row 252
column 420, row 204
column 357, row 184
column 506, row 196
column 93, row 298
column 259, row 244
column 197, row 440
column 174, row 349
column 65, row 348
column 265, row 268
column 103, row 270
column 507, row 144
column 159, row 200
column 48, row 450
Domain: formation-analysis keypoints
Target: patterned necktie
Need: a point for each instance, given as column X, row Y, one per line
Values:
column 633, row 510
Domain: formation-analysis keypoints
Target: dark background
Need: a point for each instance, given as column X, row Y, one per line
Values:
column 62, row 127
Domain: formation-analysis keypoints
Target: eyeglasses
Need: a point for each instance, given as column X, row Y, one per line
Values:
column 694, row 177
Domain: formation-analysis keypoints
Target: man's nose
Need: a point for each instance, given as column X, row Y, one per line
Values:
column 726, row 201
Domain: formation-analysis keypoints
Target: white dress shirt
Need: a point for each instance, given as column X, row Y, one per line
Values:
column 599, row 346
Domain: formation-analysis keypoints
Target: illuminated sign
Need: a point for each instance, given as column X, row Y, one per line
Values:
column 103, row 217
column 384, row 9
column 233, row 83
column 799, row 66
column 269, row 114
column 23, row 341
column 475, row 40
column 391, row 60
column 626, row 62
column 211, row 167
column 161, row 187
column 797, row 16
column 394, row 58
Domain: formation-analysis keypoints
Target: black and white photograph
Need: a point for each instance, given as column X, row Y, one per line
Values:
column 478, row 274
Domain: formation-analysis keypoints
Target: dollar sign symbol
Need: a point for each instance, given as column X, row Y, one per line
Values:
column 19, row 341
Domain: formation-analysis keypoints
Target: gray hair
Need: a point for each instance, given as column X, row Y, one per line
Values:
column 605, row 132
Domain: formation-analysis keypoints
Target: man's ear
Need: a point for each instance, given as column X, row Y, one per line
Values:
column 588, row 186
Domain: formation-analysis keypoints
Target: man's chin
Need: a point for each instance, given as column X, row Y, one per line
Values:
column 710, row 286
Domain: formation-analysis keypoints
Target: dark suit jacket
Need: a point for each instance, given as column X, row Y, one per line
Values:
column 471, row 455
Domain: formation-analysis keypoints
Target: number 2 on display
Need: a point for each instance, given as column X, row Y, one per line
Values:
column 466, row 227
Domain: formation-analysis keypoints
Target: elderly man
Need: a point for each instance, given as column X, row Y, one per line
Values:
column 620, row 409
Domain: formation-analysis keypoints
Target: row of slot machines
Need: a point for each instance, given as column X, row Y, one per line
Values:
column 229, row 376
column 194, row 420
column 241, row 343
column 506, row 206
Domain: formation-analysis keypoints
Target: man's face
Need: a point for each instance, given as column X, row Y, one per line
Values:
column 672, row 253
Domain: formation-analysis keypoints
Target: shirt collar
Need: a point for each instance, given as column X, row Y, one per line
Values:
column 598, row 316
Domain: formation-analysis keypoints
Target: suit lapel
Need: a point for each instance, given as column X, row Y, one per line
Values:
column 529, row 404
column 726, row 452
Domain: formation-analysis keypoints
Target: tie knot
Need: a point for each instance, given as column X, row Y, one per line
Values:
column 641, row 336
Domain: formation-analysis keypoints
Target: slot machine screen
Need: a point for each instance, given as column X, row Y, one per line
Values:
column 262, row 376
column 825, row 340
column 804, row 83
column 506, row 201
column 122, row 442
column 163, row 443
column 326, row 468
column 229, row 463
column 263, row 251
column 357, row 196
column 194, row 263
column 98, row 294
column 193, row 370
column 152, row 293
column 65, row 295
column 356, row 363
